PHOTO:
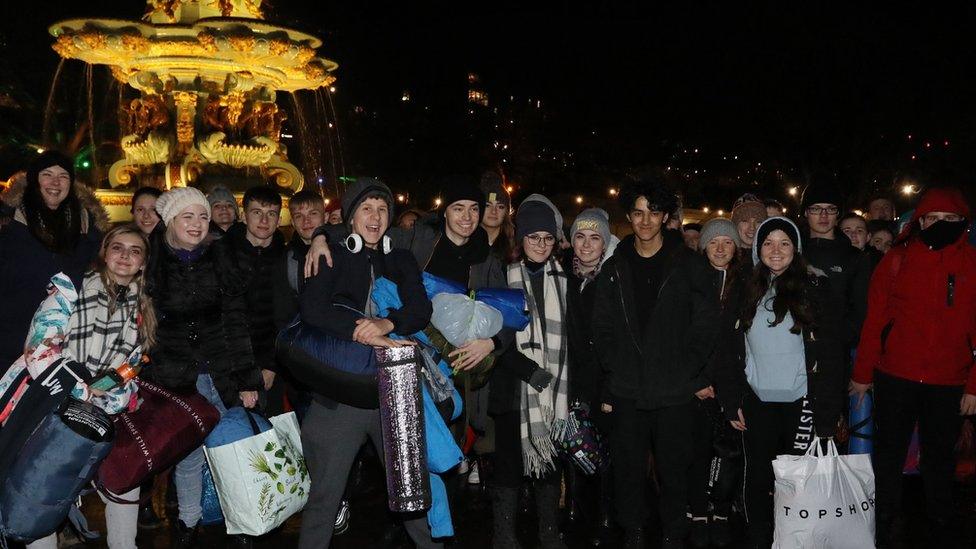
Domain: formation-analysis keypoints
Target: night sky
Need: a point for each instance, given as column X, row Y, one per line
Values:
column 813, row 84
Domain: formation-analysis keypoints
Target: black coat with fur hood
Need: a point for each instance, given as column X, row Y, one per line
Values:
column 201, row 311
column 27, row 265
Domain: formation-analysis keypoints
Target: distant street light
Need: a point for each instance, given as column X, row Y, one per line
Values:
column 908, row 190
column 794, row 190
column 579, row 199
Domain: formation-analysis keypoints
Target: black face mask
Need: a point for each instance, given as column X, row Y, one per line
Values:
column 942, row 233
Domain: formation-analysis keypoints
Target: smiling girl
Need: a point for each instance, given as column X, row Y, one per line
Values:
column 113, row 322
column 203, row 343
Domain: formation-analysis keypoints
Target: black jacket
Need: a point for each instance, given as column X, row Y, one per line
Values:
column 334, row 298
column 849, row 271
column 288, row 280
column 256, row 265
column 202, row 321
column 662, row 366
column 512, row 368
column 825, row 360
column 421, row 241
column 586, row 378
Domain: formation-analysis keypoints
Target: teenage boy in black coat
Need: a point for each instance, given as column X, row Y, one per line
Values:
column 257, row 247
column 654, row 321
column 337, row 301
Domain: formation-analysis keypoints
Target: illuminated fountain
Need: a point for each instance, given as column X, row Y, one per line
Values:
column 207, row 72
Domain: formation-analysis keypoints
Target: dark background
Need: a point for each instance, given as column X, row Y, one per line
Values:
column 584, row 96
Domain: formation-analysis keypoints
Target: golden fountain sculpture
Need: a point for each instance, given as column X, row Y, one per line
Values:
column 207, row 72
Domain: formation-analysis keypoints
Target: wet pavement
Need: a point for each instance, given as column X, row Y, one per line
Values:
column 371, row 525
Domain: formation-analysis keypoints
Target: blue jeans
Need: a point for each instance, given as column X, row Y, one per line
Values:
column 188, row 476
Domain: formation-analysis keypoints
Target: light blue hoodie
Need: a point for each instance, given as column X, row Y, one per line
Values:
column 775, row 358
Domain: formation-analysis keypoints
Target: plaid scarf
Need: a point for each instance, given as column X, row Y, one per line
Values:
column 586, row 277
column 97, row 337
column 543, row 414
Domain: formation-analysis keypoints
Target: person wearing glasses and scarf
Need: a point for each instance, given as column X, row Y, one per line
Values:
column 530, row 385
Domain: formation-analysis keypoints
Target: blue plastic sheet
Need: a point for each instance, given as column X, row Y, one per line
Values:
column 509, row 302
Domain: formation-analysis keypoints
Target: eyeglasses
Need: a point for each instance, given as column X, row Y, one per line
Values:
column 536, row 239
column 820, row 210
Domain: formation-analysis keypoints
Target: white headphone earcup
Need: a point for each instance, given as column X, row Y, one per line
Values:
column 387, row 244
column 354, row 243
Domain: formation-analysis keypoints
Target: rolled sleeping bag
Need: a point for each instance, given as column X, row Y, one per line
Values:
column 59, row 459
column 340, row 370
column 861, row 426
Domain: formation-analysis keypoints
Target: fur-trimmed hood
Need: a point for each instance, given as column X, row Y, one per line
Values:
column 13, row 197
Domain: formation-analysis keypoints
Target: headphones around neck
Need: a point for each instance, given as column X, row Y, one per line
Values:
column 354, row 243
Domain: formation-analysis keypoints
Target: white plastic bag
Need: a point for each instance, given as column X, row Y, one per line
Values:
column 460, row 319
column 823, row 500
column 261, row 480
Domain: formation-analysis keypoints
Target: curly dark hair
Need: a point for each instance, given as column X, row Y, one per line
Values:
column 791, row 295
column 655, row 189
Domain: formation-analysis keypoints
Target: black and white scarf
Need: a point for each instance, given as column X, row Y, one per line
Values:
column 543, row 414
column 102, row 334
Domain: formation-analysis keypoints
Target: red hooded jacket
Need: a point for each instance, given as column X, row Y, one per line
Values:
column 921, row 320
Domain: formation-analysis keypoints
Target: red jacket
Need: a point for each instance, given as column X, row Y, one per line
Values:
column 921, row 320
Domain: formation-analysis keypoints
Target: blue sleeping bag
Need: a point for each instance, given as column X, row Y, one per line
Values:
column 58, row 460
column 237, row 424
column 509, row 302
column 338, row 369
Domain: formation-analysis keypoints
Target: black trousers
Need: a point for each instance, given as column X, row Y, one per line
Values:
column 635, row 433
column 507, row 471
column 772, row 429
column 898, row 404
column 710, row 478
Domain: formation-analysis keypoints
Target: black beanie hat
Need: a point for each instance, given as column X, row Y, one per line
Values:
column 494, row 189
column 821, row 193
column 534, row 216
column 459, row 187
column 359, row 190
column 772, row 224
column 46, row 160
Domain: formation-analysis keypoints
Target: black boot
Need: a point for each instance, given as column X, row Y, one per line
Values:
column 720, row 531
column 504, row 501
column 759, row 535
column 573, row 497
column 148, row 520
column 547, row 509
column 603, row 531
column 634, row 539
column 240, row 541
column 698, row 536
column 184, row 537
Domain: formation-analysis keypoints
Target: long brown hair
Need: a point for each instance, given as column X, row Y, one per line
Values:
column 791, row 295
column 146, row 319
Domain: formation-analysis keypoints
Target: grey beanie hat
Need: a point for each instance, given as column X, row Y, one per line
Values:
column 718, row 227
column 770, row 225
column 219, row 194
column 594, row 219
column 359, row 190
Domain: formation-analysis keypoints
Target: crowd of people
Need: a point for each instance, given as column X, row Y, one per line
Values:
column 703, row 349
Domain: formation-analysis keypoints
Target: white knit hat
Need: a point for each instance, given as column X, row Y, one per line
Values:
column 174, row 201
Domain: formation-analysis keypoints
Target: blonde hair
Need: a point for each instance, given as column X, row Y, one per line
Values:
column 146, row 319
